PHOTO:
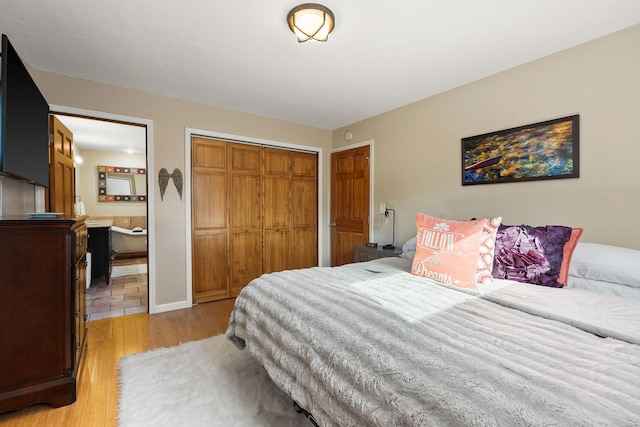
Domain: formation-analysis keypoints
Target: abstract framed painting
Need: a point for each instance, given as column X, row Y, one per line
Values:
column 545, row 150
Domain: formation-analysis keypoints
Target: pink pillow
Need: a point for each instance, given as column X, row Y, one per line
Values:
column 456, row 253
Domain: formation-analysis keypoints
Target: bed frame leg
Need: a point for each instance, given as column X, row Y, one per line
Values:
column 304, row 412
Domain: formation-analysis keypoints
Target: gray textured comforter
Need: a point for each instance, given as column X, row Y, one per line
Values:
column 368, row 344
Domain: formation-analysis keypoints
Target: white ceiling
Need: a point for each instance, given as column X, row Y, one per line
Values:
column 241, row 55
column 99, row 135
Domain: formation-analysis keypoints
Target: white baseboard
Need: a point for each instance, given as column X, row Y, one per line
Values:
column 169, row 307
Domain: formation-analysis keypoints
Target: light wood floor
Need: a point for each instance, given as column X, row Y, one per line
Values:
column 107, row 341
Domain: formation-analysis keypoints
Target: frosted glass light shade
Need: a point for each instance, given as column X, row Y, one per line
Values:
column 311, row 21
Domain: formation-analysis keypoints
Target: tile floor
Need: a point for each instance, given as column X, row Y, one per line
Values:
column 125, row 294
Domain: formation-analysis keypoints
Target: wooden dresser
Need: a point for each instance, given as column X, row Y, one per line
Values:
column 42, row 317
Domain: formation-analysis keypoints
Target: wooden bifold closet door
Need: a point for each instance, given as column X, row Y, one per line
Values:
column 254, row 211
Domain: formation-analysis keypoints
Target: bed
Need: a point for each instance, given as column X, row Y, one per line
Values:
column 374, row 344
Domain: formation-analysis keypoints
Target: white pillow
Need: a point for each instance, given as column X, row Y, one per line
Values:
column 607, row 288
column 606, row 263
column 408, row 254
column 410, row 245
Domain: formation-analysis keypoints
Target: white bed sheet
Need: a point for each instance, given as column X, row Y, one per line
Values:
column 602, row 287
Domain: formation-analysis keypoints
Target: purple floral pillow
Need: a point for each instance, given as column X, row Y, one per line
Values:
column 530, row 254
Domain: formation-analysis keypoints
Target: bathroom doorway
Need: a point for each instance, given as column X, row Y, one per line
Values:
column 106, row 149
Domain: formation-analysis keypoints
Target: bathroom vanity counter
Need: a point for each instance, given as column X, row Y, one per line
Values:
column 99, row 223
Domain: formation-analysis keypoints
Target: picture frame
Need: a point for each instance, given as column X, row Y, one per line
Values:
column 539, row 151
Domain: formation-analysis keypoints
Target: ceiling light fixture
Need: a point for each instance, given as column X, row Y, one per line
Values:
column 311, row 21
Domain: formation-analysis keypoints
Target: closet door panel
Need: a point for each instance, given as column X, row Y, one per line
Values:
column 305, row 207
column 245, row 215
column 210, row 269
column 245, row 202
column 246, row 231
column 305, row 247
column 276, row 161
column 277, row 191
column 209, row 206
column 305, row 165
column 209, row 220
column 246, row 262
column 245, row 158
column 277, row 251
column 277, row 209
column 208, row 154
column 277, row 203
column 305, row 210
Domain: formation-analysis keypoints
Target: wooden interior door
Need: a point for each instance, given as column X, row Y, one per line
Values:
column 62, row 189
column 209, row 225
column 349, row 203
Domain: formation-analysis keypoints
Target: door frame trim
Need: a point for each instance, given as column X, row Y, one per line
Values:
column 191, row 132
column 370, row 143
column 151, row 241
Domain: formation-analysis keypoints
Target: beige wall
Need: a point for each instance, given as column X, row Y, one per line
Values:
column 418, row 156
column 170, row 118
column 417, row 148
column 17, row 197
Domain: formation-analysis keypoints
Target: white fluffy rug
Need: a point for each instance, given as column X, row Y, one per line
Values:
column 201, row 383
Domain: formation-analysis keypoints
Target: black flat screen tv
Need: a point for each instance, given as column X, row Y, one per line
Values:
column 24, row 122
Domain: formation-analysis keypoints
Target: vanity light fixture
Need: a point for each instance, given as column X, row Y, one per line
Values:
column 311, row 21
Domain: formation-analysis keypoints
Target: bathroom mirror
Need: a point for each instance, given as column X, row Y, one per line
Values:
column 122, row 184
